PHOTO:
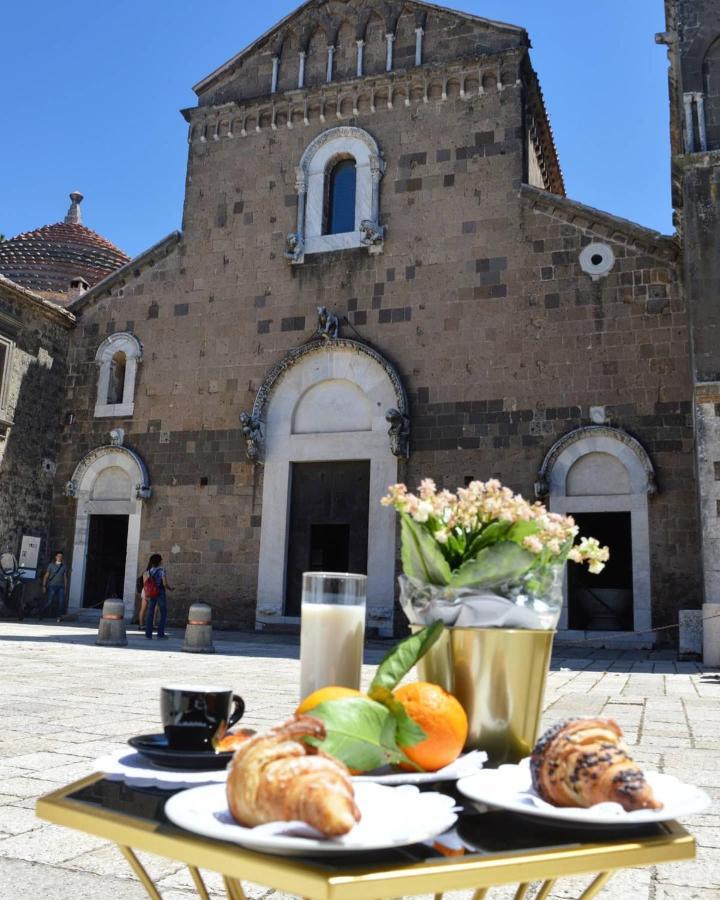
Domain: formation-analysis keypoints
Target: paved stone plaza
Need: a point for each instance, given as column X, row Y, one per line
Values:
column 65, row 702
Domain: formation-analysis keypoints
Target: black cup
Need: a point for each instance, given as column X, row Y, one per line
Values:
column 192, row 716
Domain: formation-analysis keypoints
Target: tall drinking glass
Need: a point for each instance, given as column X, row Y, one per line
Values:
column 332, row 630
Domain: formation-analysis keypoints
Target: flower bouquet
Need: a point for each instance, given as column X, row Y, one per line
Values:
column 485, row 557
column 489, row 565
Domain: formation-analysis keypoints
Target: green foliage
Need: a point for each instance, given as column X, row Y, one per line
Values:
column 398, row 662
column 493, row 566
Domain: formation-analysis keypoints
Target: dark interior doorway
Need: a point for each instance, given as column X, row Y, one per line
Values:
column 105, row 566
column 603, row 602
column 328, row 522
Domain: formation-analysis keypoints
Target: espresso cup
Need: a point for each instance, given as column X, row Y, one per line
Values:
column 192, row 716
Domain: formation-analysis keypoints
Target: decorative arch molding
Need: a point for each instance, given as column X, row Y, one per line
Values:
column 595, row 439
column 134, row 478
column 600, row 496
column 102, row 457
column 310, row 379
column 121, row 342
column 320, row 346
column 310, row 181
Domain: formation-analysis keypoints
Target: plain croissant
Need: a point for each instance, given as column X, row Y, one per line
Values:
column 581, row 762
column 276, row 777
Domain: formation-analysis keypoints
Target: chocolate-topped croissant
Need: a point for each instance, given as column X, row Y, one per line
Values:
column 276, row 777
column 581, row 762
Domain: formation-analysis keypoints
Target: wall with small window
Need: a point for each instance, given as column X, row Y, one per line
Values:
column 117, row 358
column 339, row 193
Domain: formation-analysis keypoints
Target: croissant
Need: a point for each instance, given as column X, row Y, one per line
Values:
column 581, row 762
column 277, row 777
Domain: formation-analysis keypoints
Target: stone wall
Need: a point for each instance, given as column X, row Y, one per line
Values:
column 29, row 443
column 478, row 299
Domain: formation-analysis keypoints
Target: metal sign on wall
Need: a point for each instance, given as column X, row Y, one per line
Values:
column 29, row 554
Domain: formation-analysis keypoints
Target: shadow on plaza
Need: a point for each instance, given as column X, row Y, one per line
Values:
column 287, row 646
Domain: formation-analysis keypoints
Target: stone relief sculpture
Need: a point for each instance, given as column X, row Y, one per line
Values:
column 328, row 324
column 117, row 437
column 252, row 431
column 373, row 235
column 294, row 247
column 398, row 432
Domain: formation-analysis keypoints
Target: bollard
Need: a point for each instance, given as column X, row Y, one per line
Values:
column 111, row 630
column 198, row 634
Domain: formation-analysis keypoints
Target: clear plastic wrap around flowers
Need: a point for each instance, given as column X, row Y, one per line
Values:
column 513, row 606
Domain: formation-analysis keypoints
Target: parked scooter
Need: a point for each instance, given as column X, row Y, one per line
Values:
column 11, row 585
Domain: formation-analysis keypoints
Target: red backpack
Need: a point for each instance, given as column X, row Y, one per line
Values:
column 151, row 587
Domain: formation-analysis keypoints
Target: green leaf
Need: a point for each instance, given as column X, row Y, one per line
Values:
column 494, row 565
column 521, row 530
column 398, row 662
column 491, row 534
column 421, row 555
column 360, row 732
column 408, row 731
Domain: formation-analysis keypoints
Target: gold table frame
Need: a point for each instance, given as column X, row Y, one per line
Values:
column 315, row 882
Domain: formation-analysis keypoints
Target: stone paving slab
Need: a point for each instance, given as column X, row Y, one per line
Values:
column 65, row 701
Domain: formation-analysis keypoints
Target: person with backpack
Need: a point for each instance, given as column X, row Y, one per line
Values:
column 154, row 587
column 55, row 585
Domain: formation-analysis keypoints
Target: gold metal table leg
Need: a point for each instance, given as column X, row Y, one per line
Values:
column 522, row 890
column 199, row 883
column 544, row 891
column 233, row 888
column 139, row 870
column 480, row 893
column 594, row 888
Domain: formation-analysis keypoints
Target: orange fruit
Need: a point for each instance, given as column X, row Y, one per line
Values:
column 332, row 692
column 441, row 717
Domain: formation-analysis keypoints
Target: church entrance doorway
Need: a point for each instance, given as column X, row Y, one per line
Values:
column 603, row 602
column 106, row 555
column 328, row 527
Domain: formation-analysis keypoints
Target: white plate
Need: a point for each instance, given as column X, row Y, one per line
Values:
column 510, row 787
column 132, row 768
column 391, row 817
column 464, row 766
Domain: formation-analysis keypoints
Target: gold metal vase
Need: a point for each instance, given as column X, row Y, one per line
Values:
column 498, row 675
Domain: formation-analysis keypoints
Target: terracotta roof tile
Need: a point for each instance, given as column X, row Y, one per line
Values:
column 46, row 259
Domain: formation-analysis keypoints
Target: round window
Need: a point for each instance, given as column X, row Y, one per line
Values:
column 597, row 260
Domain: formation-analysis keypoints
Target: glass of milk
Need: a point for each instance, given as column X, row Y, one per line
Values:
column 332, row 630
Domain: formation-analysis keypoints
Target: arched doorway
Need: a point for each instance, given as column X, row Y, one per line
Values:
column 602, row 476
column 328, row 461
column 110, row 484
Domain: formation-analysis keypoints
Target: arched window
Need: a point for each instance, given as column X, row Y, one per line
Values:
column 116, row 379
column 338, row 184
column 117, row 358
column 341, row 182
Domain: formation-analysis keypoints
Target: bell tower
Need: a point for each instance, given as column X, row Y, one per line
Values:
column 692, row 37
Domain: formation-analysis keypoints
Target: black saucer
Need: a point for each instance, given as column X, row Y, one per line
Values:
column 155, row 748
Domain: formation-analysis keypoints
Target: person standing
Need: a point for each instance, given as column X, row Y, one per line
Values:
column 55, row 585
column 154, row 588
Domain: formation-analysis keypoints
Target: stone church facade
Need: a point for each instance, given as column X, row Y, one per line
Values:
column 379, row 278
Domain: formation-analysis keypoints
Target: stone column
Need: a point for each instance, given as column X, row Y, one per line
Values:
column 276, row 66
column 707, row 426
column 301, row 70
column 700, row 108
column 376, row 170
column 330, row 55
column 359, row 67
column 390, row 39
column 689, row 129
column 419, row 32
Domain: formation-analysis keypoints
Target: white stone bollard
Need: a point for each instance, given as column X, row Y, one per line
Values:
column 198, row 634
column 111, row 630
column 711, row 635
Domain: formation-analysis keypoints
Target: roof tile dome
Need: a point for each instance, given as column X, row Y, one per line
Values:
column 48, row 259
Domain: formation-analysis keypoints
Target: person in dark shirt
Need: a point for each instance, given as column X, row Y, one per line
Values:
column 55, row 585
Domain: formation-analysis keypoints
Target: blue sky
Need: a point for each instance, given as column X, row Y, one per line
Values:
column 92, row 93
